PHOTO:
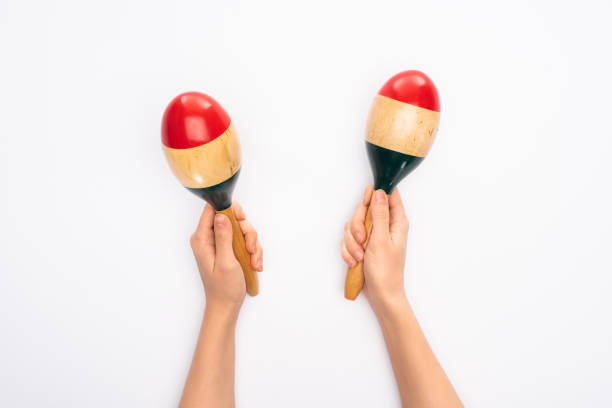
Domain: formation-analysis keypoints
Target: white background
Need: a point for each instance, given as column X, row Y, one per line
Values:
column 509, row 257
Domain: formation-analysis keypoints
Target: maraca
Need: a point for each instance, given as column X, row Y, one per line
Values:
column 203, row 151
column 401, row 128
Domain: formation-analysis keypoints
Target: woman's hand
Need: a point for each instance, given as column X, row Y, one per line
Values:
column 385, row 253
column 220, row 271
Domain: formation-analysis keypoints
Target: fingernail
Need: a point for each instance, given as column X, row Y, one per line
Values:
column 260, row 263
column 352, row 263
column 359, row 237
column 379, row 197
column 360, row 256
column 219, row 221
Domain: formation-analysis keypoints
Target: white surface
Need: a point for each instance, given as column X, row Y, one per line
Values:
column 509, row 265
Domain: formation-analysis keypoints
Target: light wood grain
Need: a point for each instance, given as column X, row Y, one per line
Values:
column 401, row 127
column 242, row 255
column 209, row 164
column 354, row 276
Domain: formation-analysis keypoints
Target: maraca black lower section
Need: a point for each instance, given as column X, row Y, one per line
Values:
column 390, row 167
column 219, row 195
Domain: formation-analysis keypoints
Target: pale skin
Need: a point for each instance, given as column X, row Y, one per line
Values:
column 419, row 377
column 210, row 382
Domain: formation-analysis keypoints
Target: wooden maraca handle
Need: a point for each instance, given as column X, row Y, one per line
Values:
column 242, row 255
column 354, row 275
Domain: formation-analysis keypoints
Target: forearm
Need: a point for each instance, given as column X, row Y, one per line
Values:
column 210, row 382
column 420, row 378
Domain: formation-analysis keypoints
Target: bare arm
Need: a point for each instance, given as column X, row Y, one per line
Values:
column 419, row 376
column 210, row 382
column 420, row 379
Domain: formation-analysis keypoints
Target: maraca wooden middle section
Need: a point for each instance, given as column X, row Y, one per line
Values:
column 401, row 127
column 209, row 164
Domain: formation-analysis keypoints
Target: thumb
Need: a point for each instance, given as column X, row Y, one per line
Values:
column 379, row 209
column 223, row 239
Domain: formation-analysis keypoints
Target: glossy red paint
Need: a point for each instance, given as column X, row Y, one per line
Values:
column 413, row 87
column 193, row 119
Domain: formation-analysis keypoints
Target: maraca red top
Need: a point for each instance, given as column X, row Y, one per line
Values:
column 199, row 141
column 413, row 87
column 193, row 119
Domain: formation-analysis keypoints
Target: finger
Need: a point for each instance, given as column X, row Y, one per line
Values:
column 224, row 253
column 238, row 211
column 350, row 261
column 358, row 220
column 203, row 234
column 257, row 258
column 355, row 249
column 367, row 195
column 249, row 232
column 204, row 230
column 379, row 209
column 203, row 239
column 398, row 223
column 250, row 235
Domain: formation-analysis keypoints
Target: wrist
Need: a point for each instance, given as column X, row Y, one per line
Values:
column 389, row 308
column 222, row 313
